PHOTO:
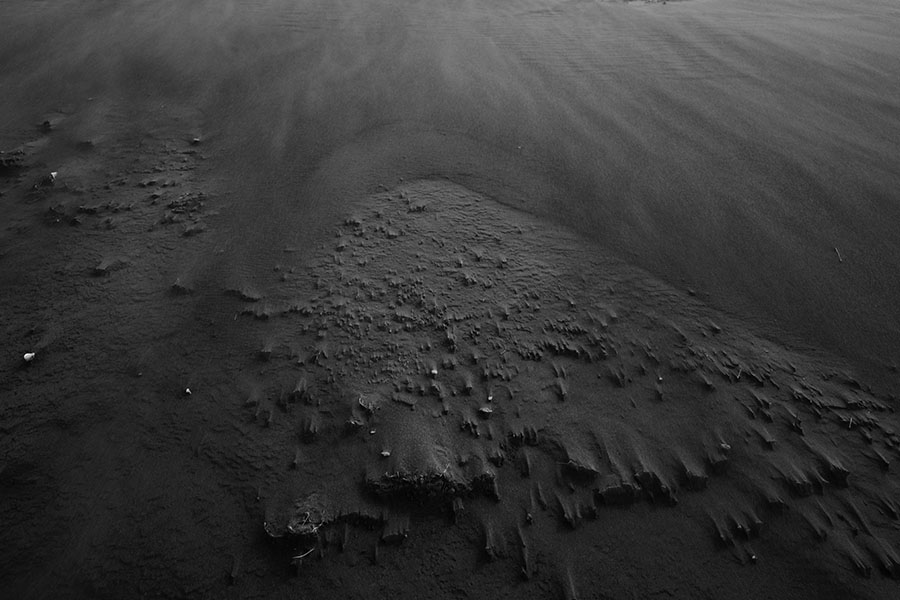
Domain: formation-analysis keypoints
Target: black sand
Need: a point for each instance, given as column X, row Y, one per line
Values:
column 422, row 300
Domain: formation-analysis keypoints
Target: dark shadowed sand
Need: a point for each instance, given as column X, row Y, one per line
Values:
column 449, row 299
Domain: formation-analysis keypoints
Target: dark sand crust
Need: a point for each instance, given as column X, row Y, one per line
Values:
column 468, row 357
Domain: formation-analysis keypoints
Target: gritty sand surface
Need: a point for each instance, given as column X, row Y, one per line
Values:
column 446, row 299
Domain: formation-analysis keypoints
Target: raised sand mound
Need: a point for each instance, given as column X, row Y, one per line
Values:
column 459, row 354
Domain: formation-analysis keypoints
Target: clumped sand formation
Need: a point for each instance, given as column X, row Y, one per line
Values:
column 460, row 355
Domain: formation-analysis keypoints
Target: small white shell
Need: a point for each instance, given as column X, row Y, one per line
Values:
column 28, row 356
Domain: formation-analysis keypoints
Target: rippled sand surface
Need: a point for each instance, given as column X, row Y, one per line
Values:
column 576, row 299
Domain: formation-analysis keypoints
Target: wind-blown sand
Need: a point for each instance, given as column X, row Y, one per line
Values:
column 541, row 299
